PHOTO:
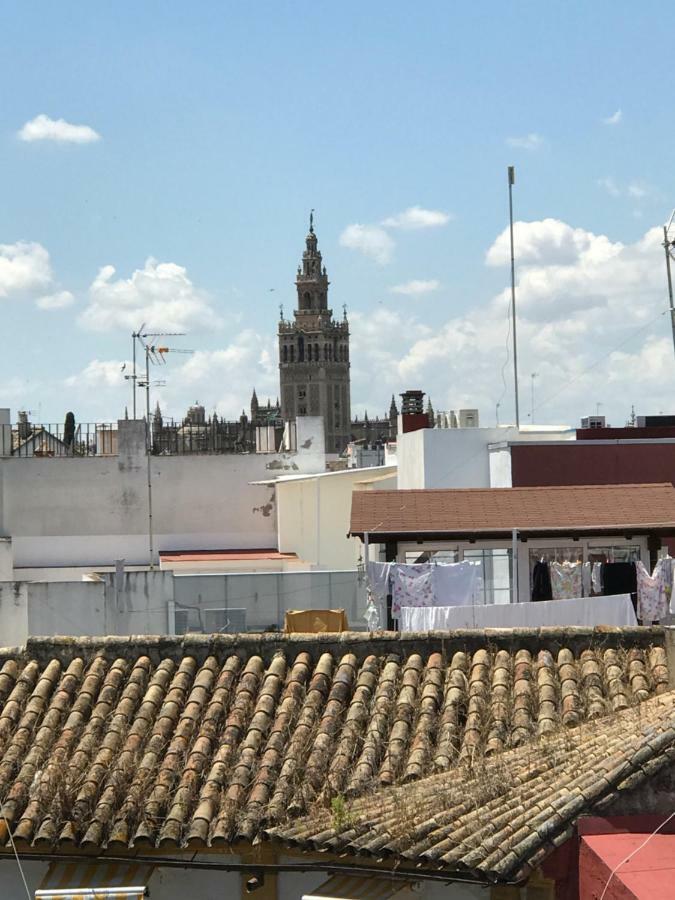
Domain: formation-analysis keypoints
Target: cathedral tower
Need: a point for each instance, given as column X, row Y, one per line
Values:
column 314, row 353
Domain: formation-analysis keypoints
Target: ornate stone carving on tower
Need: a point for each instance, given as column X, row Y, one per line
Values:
column 314, row 353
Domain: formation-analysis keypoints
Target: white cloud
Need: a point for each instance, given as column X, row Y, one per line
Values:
column 636, row 190
column 416, row 217
column 614, row 119
column 24, row 266
column 100, row 373
column 532, row 141
column 610, row 186
column 42, row 128
column 58, row 300
column 371, row 240
column 416, row 287
column 592, row 322
column 160, row 295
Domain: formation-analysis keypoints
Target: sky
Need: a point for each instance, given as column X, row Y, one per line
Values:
column 159, row 161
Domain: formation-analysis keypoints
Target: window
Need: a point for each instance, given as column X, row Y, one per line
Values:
column 316, row 352
column 181, row 621
column 306, row 300
column 285, row 353
column 232, row 621
column 301, row 349
column 497, row 573
column 309, row 352
column 292, row 353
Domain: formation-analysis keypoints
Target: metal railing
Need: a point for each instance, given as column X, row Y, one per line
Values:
column 210, row 436
column 48, row 439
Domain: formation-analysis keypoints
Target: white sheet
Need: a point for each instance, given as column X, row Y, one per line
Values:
column 589, row 611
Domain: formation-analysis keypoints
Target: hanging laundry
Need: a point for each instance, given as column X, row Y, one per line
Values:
column 586, row 579
column 411, row 586
column 620, row 578
column 379, row 579
column 566, row 580
column 596, row 578
column 652, row 603
column 541, row 582
column 457, row 584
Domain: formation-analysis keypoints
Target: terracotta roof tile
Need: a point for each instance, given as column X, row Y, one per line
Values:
column 209, row 739
column 500, row 510
column 497, row 819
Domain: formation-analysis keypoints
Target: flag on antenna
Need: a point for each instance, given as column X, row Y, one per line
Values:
column 512, row 175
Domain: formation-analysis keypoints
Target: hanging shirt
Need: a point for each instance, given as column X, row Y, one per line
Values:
column 652, row 604
column 566, row 580
column 541, row 582
column 596, row 578
column 586, row 579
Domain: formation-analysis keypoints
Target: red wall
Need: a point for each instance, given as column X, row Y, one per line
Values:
column 578, row 462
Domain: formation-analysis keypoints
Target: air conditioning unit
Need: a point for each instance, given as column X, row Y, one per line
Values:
column 230, row 621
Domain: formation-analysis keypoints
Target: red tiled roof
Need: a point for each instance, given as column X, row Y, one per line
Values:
column 223, row 555
column 499, row 510
column 207, row 739
column 500, row 818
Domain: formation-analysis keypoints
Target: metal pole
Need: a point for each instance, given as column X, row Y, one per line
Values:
column 666, row 246
column 512, row 181
column 133, row 375
column 148, row 453
column 514, row 566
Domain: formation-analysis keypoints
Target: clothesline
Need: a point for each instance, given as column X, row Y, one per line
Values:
column 426, row 584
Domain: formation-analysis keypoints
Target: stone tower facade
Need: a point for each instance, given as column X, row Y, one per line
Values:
column 314, row 353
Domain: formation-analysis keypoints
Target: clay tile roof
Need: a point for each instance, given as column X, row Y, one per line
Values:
column 500, row 510
column 498, row 819
column 175, row 742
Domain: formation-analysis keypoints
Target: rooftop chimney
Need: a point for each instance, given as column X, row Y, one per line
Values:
column 413, row 417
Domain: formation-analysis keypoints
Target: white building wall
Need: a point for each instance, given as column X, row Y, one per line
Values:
column 91, row 511
column 314, row 515
column 459, row 457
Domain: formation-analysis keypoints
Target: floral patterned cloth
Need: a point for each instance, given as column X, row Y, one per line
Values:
column 412, row 586
column 566, row 580
column 652, row 603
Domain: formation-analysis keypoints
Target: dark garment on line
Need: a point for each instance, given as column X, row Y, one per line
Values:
column 541, row 582
column 620, row 578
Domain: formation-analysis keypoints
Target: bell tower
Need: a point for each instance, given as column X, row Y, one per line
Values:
column 314, row 353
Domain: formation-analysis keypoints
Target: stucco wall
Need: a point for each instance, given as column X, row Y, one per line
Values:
column 145, row 602
column 314, row 515
column 92, row 511
column 457, row 457
column 583, row 462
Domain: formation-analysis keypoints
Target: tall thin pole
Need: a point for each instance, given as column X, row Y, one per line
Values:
column 667, row 245
column 133, row 374
column 148, row 453
column 512, row 181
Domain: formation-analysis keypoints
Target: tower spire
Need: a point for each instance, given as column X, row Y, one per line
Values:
column 311, row 221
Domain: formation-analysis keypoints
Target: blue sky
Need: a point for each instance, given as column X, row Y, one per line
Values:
column 220, row 125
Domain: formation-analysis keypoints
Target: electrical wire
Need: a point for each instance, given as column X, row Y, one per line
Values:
column 16, row 854
column 637, row 850
column 601, row 359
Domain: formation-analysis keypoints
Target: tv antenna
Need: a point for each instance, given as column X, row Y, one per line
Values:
column 155, row 354
column 669, row 247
